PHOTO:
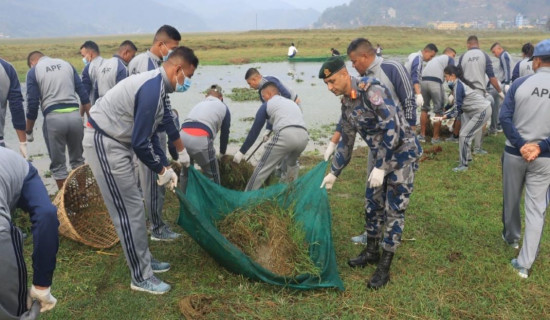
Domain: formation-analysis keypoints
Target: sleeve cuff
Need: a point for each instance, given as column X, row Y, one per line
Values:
column 173, row 136
column 544, row 147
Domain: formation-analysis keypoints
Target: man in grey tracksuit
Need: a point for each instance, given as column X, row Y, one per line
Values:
column 53, row 84
column 89, row 51
column 432, row 91
column 121, row 124
column 21, row 187
column 166, row 39
column 526, row 160
column 289, row 140
column 199, row 131
column 414, row 67
column 525, row 66
column 504, row 76
column 10, row 94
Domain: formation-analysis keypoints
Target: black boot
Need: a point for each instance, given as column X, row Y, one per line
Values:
column 382, row 274
column 369, row 255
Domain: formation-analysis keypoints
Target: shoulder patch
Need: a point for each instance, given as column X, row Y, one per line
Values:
column 375, row 97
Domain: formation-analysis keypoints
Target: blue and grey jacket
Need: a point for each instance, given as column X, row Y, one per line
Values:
column 284, row 90
column 53, row 84
column 525, row 112
column 143, row 62
column 476, row 64
column 380, row 123
column 89, row 78
column 211, row 115
column 522, row 68
column 102, row 77
column 10, row 91
column 468, row 100
column 279, row 113
column 132, row 111
column 414, row 66
column 506, row 66
column 434, row 68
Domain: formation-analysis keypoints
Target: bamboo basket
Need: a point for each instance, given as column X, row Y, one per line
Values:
column 81, row 211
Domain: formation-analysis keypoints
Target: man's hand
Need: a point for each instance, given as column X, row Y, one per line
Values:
column 169, row 179
column 376, row 177
column 238, row 157
column 419, row 100
column 501, row 95
column 183, row 158
column 30, row 136
column 330, row 150
column 23, row 149
column 530, row 151
column 451, row 99
column 328, row 181
column 267, row 135
column 47, row 301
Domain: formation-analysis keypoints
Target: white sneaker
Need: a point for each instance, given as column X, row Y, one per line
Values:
column 152, row 285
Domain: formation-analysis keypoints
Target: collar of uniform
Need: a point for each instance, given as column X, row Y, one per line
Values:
column 167, row 84
column 262, row 82
column 375, row 64
column 154, row 57
column 349, row 100
column 120, row 58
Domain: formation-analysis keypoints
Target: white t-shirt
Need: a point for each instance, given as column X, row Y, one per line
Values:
column 292, row 50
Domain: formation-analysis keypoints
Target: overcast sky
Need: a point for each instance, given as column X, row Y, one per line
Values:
column 320, row 5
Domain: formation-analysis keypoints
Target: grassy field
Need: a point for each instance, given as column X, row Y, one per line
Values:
column 452, row 263
column 263, row 46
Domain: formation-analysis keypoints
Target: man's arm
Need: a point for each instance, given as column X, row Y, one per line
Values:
column 122, row 72
column 416, row 71
column 82, row 94
column 15, row 99
column 86, row 80
column 259, row 121
column 515, row 73
column 403, row 88
column 344, row 150
column 33, row 99
column 491, row 74
column 507, row 65
column 224, row 131
column 506, row 116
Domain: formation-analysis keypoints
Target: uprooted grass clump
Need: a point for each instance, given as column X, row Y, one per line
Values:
column 270, row 236
column 243, row 94
column 234, row 175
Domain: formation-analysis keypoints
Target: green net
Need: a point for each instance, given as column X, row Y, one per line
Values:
column 206, row 203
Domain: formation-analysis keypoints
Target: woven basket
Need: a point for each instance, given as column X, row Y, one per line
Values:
column 81, row 211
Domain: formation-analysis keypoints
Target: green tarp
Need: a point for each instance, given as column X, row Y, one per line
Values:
column 207, row 202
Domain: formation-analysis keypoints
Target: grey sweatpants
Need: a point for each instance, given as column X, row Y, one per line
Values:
column 468, row 131
column 432, row 92
column 288, row 143
column 201, row 151
column 63, row 131
column 536, row 177
column 113, row 168
column 495, row 105
column 13, row 275
column 153, row 194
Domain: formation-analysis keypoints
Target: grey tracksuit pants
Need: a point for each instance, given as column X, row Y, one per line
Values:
column 112, row 165
column 433, row 92
column 201, row 151
column 495, row 105
column 13, row 295
column 63, row 131
column 535, row 176
column 288, row 143
column 469, row 130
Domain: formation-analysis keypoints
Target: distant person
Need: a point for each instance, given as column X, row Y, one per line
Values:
column 505, row 79
column 92, row 60
column 198, row 133
column 10, row 92
column 21, row 187
column 334, row 52
column 166, row 39
column 414, row 66
column 526, row 161
column 432, row 91
column 54, row 86
column 379, row 50
column 525, row 66
column 289, row 140
column 292, row 51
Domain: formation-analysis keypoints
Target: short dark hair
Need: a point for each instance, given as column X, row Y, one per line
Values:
column 494, row 45
column 90, row 45
column 528, row 49
column 360, row 43
column 431, row 47
column 251, row 72
column 128, row 44
column 268, row 85
column 169, row 31
column 544, row 59
column 32, row 55
column 449, row 49
column 186, row 54
column 472, row 39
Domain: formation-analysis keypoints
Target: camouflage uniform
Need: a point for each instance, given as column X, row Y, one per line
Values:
column 373, row 114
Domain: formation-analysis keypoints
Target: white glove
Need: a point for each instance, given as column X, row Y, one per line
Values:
column 328, row 181
column 30, row 137
column 266, row 136
column 238, row 157
column 376, row 177
column 330, row 150
column 436, row 119
column 47, row 301
column 506, row 88
column 419, row 100
column 451, row 99
column 501, row 95
column 23, row 149
column 183, row 158
column 169, row 179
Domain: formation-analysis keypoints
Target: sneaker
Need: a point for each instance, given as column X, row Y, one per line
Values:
column 360, row 239
column 436, row 141
column 480, row 152
column 152, row 285
column 460, row 168
column 452, row 139
column 165, row 234
column 514, row 244
column 421, row 138
column 499, row 130
column 522, row 272
column 159, row 266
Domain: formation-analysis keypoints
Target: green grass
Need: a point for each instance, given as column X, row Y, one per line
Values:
column 270, row 46
column 452, row 265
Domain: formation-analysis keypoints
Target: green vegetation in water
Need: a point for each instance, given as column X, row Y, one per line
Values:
column 247, row 119
column 243, row 94
column 270, row 236
column 299, row 80
column 47, row 174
